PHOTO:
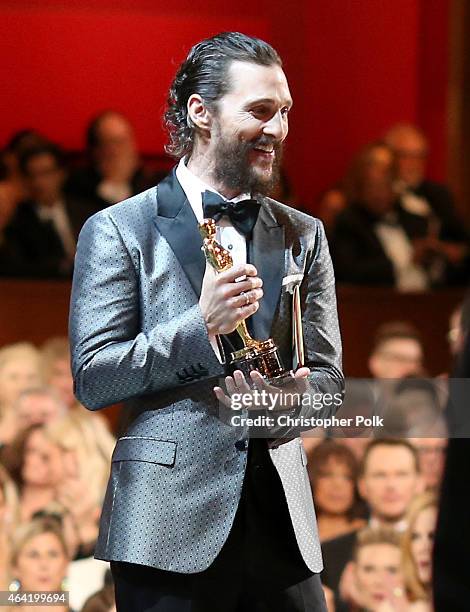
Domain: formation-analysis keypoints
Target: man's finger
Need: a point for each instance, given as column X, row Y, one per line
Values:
column 220, row 395
column 240, row 381
column 234, row 272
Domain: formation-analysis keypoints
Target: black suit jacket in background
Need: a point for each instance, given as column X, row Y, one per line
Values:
column 358, row 255
column 84, row 182
column 337, row 553
column 32, row 248
column 442, row 204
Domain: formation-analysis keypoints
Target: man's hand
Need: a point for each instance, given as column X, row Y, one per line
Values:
column 237, row 384
column 224, row 303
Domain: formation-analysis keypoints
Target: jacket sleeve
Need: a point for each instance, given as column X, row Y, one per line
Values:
column 322, row 338
column 112, row 359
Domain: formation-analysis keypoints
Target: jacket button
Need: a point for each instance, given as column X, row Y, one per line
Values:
column 241, row 445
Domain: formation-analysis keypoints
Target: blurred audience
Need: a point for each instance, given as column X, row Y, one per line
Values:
column 43, row 231
column 379, row 578
column 8, row 522
column 413, row 409
column 39, row 561
column 376, row 241
column 57, row 372
column 431, row 454
column 397, row 352
column 330, row 204
column 55, row 359
column 448, row 238
column 417, row 546
column 389, row 478
column 115, row 171
column 13, row 190
column 19, row 369
column 333, row 471
column 36, row 465
column 61, row 468
column 38, row 406
column 381, row 239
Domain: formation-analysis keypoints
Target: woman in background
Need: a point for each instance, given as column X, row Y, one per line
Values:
column 19, row 370
column 418, row 542
column 333, row 471
column 39, row 562
column 8, row 522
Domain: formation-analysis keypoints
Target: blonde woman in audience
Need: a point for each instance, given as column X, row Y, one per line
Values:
column 39, row 562
column 86, row 454
column 61, row 468
column 57, row 373
column 36, row 466
column 418, row 541
column 19, row 369
column 8, row 522
column 380, row 584
column 56, row 368
column 333, row 471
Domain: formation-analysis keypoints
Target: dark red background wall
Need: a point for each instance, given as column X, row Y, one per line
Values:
column 355, row 67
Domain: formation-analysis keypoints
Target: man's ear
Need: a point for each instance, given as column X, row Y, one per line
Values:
column 198, row 113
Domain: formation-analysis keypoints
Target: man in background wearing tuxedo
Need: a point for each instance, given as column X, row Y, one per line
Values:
column 196, row 516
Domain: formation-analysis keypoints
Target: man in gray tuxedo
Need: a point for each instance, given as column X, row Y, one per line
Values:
column 198, row 517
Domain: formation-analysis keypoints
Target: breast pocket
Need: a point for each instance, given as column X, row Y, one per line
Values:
column 149, row 450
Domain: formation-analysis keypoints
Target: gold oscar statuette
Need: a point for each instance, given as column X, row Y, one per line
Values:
column 260, row 355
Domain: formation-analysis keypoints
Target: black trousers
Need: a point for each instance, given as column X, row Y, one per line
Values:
column 259, row 568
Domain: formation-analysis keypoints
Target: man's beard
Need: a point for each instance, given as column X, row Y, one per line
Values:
column 233, row 170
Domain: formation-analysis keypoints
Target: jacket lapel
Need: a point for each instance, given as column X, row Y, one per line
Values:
column 177, row 223
column 266, row 252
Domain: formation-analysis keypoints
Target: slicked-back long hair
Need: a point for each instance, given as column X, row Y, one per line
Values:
column 205, row 72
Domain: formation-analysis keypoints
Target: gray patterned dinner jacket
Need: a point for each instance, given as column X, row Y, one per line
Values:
column 137, row 335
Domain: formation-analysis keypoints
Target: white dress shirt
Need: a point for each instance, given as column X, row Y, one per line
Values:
column 230, row 238
column 409, row 276
column 58, row 216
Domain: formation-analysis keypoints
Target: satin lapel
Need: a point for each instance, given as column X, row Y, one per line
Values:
column 267, row 255
column 177, row 223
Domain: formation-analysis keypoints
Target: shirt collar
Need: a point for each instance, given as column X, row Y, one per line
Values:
column 48, row 213
column 400, row 526
column 194, row 187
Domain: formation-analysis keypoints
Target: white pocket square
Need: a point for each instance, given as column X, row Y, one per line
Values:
column 291, row 281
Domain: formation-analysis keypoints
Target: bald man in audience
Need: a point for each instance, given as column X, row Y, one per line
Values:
column 389, row 479
column 115, row 171
column 448, row 238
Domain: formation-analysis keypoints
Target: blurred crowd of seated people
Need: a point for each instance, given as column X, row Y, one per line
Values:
column 45, row 199
column 388, row 225
column 375, row 487
column 54, row 465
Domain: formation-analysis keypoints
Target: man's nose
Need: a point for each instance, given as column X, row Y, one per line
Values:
column 276, row 127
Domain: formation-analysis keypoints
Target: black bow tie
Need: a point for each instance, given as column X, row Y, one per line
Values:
column 242, row 214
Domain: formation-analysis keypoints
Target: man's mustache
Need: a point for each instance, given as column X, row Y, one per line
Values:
column 264, row 141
